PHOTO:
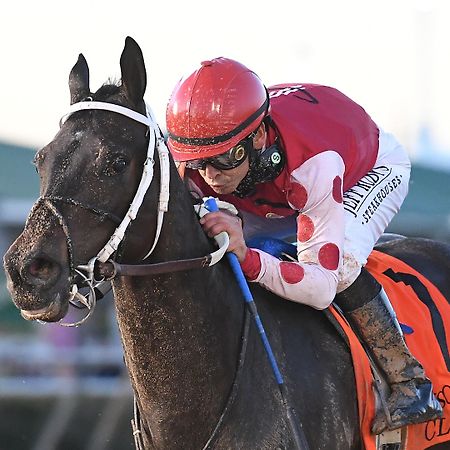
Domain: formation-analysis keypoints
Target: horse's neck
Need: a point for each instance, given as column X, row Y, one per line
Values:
column 181, row 339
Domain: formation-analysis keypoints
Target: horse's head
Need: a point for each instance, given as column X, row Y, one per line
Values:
column 89, row 174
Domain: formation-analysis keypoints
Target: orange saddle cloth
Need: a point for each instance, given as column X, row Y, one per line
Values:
column 425, row 316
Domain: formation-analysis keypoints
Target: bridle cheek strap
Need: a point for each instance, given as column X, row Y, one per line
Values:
column 156, row 140
column 164, row 192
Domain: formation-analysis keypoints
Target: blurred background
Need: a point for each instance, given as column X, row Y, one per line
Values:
column 66, row 388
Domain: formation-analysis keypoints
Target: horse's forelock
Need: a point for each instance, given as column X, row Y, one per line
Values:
column 113, row 92
column 110, row 89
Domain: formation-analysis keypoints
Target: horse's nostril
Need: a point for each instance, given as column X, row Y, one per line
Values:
column 41, row 269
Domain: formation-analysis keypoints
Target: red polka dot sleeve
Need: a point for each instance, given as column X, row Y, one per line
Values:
column 316, row 193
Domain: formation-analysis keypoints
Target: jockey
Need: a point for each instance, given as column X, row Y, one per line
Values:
column 303, row 160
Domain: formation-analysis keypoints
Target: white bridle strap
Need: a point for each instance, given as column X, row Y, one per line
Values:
column 164, row 192
column 156, row 140
column 81, row 106
column 222, row 239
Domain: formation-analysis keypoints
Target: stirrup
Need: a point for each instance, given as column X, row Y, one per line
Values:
column 423, row 407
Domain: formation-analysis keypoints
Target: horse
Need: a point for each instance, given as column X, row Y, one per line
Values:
column 198, row 370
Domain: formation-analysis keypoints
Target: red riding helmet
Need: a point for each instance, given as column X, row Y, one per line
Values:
column 213, row 109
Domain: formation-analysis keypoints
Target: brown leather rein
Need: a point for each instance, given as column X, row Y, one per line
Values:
column 111, row 269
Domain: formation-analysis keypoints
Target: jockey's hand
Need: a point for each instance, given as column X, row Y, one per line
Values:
column 215, row 222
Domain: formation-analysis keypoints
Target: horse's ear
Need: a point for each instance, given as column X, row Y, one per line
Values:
column 134, row 76
column 79, row 80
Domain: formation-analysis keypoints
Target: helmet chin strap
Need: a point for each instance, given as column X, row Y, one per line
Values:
column 264, row 166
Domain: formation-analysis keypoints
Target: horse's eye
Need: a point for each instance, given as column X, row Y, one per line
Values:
column 118, row 165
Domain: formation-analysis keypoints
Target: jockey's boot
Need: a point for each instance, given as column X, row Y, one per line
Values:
column 411, row 399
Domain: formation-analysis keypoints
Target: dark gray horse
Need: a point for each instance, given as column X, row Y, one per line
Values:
column 197, row 367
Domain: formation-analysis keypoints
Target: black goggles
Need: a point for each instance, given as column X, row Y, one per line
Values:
column 225, row 161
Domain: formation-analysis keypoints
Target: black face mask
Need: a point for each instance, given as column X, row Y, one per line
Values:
column 264, row 166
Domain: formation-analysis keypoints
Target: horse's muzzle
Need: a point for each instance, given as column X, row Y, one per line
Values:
column 38, row 284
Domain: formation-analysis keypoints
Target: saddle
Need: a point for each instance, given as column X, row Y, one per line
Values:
column 424, row 315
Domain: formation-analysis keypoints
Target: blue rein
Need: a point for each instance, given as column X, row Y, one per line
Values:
column 296, row 428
